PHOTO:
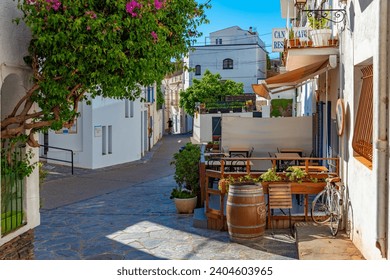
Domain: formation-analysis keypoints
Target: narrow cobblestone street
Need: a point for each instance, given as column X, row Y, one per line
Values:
column 125, row 213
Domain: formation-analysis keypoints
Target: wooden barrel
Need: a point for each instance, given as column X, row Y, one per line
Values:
column 245, row 211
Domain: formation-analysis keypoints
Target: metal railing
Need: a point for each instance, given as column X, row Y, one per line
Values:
column 56, row 159
column 12, row 195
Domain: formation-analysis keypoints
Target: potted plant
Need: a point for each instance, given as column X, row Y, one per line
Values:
column 186, row 175
column 295, row 174
column 293, row 42
column 270, row 176
column 320, row 32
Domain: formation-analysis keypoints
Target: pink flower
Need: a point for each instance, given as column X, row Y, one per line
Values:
column 131, row 6
column 154, row 35
column 91, row 14
column 55, row 4
column 88, row 27
column 158, row 5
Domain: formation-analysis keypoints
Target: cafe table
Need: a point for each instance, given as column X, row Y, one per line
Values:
column 286, row 159
column 239, row 151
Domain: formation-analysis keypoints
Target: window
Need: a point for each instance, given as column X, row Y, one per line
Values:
column 228, row 63
column 150, row 94
column 362, row 136
column 197, row 70
column 127, row 114
column 131, row 109
column 218, row 41
column 104, row 140
column 110, row 139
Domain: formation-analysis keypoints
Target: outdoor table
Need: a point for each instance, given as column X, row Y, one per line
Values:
column 239, row 150
column 230, row 163
column 286, row 158
column 313, row 168
column 291, row 150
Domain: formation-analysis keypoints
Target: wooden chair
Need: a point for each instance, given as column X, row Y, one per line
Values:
column 279, row 197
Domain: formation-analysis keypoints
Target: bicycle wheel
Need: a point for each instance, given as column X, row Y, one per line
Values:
column 335, row 213
column 319, row 208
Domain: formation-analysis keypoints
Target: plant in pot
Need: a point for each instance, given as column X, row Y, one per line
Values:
column 295, row 174
column 293, row 42
column 320, row 32
column 186, row 175
column 270, row 176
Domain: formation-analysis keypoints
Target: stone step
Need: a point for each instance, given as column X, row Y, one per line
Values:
column 199, row 218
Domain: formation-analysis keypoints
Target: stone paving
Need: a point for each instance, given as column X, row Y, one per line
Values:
column 140, row 222
column 127, row 214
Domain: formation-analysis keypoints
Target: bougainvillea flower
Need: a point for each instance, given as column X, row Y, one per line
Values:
column 154, row 35
column 131, row 6
column 158, row 5
column 55, row 4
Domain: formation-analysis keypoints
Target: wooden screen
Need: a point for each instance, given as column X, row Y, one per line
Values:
column 362, row 137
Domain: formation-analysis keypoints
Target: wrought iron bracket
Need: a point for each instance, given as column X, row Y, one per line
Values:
column 333, row 15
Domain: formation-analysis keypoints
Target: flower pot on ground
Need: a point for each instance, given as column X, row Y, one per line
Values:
column 186, row 175
column 185, row 205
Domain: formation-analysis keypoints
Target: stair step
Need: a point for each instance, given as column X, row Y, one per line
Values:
column 199, row 218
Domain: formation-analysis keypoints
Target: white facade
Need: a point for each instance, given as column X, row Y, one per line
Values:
column 363, row 41
column 234, row 53
column 109, row 132
column 14, row 80
column 172, row 86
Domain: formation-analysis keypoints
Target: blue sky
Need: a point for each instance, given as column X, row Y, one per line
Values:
column 260, row 14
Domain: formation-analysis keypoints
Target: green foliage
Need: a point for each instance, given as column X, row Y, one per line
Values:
column 317, row 23
column 160, row 97
column 16, row 162
column 270, row 176
column 295, row 174
column 223, row 184
column 210, row 88
column 186, row 164
column 281, row 107
column 103, row 48
column 181, row 193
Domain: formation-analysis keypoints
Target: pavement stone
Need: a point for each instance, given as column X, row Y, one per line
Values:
column 124, row 213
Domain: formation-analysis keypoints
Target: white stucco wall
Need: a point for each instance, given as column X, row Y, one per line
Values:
column 87, row 142
column 203, row 127
column 360, row 45
column 14, row 80
column 245, row 49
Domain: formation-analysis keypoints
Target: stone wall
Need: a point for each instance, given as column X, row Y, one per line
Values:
column 19, row 248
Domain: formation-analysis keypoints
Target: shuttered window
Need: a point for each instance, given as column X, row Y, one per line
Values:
column 362, row 136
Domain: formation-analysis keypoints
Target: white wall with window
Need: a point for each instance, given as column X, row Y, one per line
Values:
column 106, row 133
column 363, row 148
column 234, row 53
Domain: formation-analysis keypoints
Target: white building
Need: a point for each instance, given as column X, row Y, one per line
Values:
column 172, row 85
column 350, row 95
column 234, row 53
column 15, row 78
column 109, row 132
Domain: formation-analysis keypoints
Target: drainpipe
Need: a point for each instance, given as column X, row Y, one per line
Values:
column 381, row 145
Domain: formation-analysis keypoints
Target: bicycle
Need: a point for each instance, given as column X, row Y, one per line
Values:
column 326, row 206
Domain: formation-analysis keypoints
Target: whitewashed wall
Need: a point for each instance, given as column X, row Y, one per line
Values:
column 14, row 80
column 244, row 50
column 360, row 47
column 87, row 142
column 203, row 128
